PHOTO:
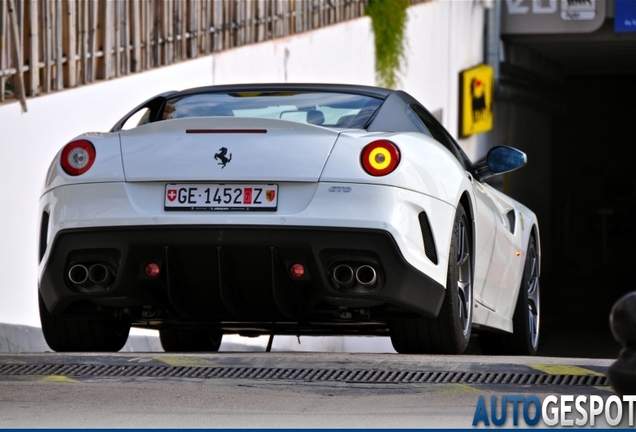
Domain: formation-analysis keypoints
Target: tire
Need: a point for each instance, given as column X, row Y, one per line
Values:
column 449, row 333
column 82, row 335
column 174, row 339
column 524, row 340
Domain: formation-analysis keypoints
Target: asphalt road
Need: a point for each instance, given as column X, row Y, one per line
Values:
column 275, row 390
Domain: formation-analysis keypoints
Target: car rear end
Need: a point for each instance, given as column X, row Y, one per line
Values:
column 240, row 223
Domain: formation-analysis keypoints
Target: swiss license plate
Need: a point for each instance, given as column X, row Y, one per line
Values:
column 221, row 197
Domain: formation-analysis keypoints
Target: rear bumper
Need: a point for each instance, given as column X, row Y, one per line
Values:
column 235, row 274
column 120, row 206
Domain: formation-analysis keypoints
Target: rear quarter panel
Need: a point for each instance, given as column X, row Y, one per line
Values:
column 106, row 168
column 432, row 176
column 425, row 167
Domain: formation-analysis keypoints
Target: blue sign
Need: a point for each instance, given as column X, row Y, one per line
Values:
column 625, row 16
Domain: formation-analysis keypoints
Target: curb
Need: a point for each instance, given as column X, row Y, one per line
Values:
column 25, row 339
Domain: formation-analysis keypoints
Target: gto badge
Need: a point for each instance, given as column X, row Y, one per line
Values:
column 221, row 155
column 340, row 189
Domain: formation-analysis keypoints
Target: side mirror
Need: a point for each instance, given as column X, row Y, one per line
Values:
column 499, row 160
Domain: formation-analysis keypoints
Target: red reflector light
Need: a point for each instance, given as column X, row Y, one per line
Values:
column 297, row 270
column 152, row 270
column 380, row 158
column 77, row 157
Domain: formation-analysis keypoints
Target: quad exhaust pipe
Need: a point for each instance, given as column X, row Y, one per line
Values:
column 97, row 274
column 78, row 274
column 366, row 276
column 345, row 276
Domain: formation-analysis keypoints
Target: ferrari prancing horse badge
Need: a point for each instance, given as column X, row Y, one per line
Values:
column 221, row 155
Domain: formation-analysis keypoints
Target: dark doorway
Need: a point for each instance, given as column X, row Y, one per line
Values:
column 588, row 228
column 594, row 209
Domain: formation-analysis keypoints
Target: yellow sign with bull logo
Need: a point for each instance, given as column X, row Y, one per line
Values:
column 475, row 96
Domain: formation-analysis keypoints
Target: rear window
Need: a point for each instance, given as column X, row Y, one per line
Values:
column 340, row 110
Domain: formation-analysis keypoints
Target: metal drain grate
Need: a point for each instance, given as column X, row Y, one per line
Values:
column 307, row 375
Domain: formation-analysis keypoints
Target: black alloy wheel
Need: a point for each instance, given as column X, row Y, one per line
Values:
column 82, row 334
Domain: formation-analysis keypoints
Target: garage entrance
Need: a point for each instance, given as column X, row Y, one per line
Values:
column 569, row 101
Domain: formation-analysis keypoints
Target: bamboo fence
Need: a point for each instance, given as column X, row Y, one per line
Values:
column 50, row 45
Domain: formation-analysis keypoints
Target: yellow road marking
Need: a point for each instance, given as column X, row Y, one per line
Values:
column 58, row 378
column 564, row 370
column 11, row 361
column 604, row 388
column 455, row 388
column 185, row 361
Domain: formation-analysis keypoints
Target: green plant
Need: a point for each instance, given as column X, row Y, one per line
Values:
column 9, row 87
column 388, row 20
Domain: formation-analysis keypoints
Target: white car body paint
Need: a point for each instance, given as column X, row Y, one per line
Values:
column 127, row 187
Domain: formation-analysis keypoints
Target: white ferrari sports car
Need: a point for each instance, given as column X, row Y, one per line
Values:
column 287, row 209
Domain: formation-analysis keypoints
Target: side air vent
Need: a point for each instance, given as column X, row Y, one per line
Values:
column 427, row 235
column 44, row 233
column 511, row 220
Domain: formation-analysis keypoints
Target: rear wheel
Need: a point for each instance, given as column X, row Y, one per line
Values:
column 81, row 334
column 449, row 333
column 174, row 339
column 524, row 339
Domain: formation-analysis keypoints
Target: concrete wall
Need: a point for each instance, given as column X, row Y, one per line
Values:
column 443, row 38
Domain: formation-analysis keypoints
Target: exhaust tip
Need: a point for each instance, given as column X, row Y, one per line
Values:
column 343, row 275
column 366, row 276
column 99, row 274
column 78, row 274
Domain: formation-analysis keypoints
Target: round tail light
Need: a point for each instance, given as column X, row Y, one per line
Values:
column 77, row 157
column 380, row 158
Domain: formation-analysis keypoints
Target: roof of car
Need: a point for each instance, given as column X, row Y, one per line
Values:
column 377, row 92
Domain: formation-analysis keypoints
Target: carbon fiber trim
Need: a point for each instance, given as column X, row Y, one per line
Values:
column 511, row 220
column 427, row 235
